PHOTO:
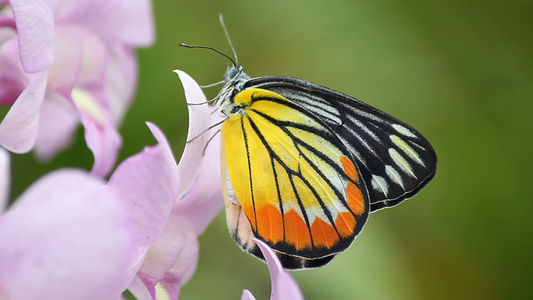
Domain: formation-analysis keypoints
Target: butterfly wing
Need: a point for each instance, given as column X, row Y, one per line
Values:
column 290, row 181
column 395, row 160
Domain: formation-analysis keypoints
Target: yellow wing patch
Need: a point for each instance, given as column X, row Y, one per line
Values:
column 296, row 184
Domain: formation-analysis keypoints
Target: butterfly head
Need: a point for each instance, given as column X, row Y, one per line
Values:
column 234, row 79
column 232, row 71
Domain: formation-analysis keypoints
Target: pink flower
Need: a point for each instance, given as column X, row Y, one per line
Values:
column 64, row 243
column 284, row 287
column 71, row 235
column 65, row 62
column 171, row 261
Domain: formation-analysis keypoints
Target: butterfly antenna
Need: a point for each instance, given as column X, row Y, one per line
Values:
column 212, row 84
column 209, row 48
column 206, row 130
column 209, row 141
column 203, row 103
column 221, row 19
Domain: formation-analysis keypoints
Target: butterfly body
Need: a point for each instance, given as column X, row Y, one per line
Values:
column 304, row 165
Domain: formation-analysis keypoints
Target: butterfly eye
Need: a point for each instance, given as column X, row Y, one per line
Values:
column 230, row 73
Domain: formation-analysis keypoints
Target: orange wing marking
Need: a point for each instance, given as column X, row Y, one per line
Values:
column 345, row 224
column 323, row 234
column 270, row 223
column 296, row 231
column 354, row 197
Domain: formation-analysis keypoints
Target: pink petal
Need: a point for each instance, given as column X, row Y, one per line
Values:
column 13, row 79
column 101, row 134
column 118, row 21
column 59, row 118
column 171, row 260
column 80, row 77
column 271, row 259
column 183, row 268
column 57, row 124
column 103, row 140
column 199, row 120
column 139, row 290
column 35, row 27
column 7, row 32
column 11, row 88
column 75, row 246
column 120, row 79
column 18, row 130
column 5, row 178
column 203, row 200
column 284, row 287
column 93, row 60
column 65, row 71
column 148, row 184
column 246, row 295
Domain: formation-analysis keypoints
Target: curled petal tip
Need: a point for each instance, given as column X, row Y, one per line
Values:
column 246, row 295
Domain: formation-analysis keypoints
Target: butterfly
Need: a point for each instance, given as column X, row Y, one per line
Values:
column 303, row 165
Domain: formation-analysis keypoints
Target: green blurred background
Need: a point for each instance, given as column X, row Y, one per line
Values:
column 459, row 71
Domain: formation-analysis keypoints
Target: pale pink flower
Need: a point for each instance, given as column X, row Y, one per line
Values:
column 284, row 287
column 71, row 235
column 65, row 238
column 171, row 261
column 65, row 62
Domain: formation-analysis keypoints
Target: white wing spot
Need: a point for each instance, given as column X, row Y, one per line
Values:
column 364, row 128
column 402, row 145
column 403, row 130
column 394, row 175
column 380, row 184
column 401, row 162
